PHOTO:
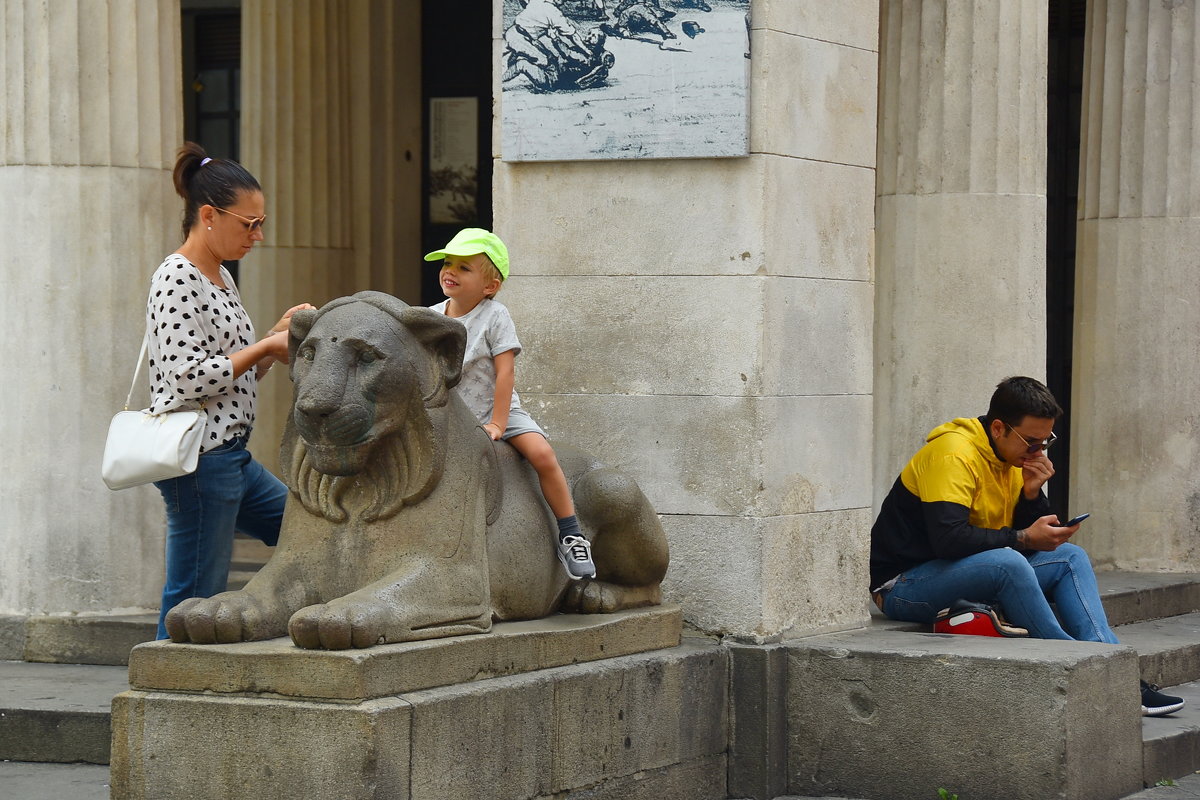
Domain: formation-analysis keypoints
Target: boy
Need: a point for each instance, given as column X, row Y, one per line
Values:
column 474, row 266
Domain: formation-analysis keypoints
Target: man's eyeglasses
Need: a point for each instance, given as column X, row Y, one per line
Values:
column 1034, row 447
column 252, row 223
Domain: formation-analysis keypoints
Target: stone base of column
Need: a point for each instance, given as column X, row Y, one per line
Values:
column 530, row 709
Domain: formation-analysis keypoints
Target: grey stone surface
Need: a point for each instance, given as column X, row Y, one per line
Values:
column 652, row 725
column 1137, row 596
column 574, row 727
column 1168, row 649
column 699, row 779
column 22, row 780
column 758, row 745
column 892, row 714
column 91, row 639
column 12, row 637
column 1171, row 744
column 56, row 712
column 1187, row 788
column 276, row 666
column 177, row 746
column 405, row 521
column 1137, row 205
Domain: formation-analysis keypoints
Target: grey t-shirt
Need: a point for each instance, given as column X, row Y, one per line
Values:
column 490, row 332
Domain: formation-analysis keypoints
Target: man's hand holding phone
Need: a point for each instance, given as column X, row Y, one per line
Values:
column 1047, row 534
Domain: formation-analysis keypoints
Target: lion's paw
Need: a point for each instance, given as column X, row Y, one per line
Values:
column 224, row 618
column 340, row 626
column 601, row 597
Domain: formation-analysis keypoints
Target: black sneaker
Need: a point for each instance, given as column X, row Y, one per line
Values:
column 1156, row 704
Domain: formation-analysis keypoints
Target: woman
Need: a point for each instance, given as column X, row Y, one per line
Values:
column 203, row 351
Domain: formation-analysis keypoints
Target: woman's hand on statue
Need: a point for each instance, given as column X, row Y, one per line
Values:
column 493, row 430
column 286, row 320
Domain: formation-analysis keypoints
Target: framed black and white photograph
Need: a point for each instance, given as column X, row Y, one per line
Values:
column 616, row 79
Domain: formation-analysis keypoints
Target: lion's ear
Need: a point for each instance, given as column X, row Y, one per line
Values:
column 444, row 337
column 302, row 322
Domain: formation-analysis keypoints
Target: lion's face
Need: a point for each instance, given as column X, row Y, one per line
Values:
column 351, row 377
column 362, row 372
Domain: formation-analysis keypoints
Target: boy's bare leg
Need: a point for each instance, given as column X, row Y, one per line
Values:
column 574, row 550
column 540, row 455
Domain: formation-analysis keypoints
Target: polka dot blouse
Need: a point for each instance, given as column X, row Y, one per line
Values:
column 194, row 325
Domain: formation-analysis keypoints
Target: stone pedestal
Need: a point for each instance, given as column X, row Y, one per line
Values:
column 90, row 124
column 988, row 718
column 961, row 215
column 1136, row 464
column 606, row 706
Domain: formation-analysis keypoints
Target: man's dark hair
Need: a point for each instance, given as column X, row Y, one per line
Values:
column 1019, row 397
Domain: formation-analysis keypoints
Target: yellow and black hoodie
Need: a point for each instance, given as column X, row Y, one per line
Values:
column 955, row 498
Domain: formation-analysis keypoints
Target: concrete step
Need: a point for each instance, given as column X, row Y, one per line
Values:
column 1171, row 744
column 57, row 712
column 105, row 639
column 21, row 780
column 1134, row 597
column 250, row 551
column 1169, row 649
column 1185, row 788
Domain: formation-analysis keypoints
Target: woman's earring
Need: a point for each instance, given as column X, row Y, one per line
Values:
column 210, row 227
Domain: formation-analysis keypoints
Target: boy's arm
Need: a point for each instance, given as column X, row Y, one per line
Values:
column 502, row 400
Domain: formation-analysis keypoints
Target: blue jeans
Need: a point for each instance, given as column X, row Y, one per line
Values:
column 1021, row 586
column 228, row 492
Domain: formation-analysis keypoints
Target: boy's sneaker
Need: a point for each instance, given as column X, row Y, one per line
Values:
column 1156, row 704
column 575, row 553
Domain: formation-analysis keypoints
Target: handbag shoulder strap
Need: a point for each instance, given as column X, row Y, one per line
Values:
column 137, row 369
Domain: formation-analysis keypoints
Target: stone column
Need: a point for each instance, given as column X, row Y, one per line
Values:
column 332, row 133
column 960, row 287
column 90, row 119
column 706, row 326
column 1136, row 464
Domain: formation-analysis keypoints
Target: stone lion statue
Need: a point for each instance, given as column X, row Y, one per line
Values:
column 405, row 520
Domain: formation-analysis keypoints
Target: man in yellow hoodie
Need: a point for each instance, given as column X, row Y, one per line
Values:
column 967, row 519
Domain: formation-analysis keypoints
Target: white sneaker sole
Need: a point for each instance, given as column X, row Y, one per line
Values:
column 1159, row 711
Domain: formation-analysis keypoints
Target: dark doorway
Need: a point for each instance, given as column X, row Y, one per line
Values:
column 212, row 61
column 212, row 72
column 1065, row 89
column 456, row 93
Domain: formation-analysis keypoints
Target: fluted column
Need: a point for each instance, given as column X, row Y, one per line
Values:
column 1136, row 465
column 326, row 130
column 89, row 122
column 961, row 184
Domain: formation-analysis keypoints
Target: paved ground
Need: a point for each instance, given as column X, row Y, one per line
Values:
column 1188, row 787
column 24, row 781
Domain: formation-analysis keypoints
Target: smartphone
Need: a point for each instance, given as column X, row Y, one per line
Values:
column 1074, row 521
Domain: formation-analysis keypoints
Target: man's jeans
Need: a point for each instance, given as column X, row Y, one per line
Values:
column 228, row 492
column 1022, row 587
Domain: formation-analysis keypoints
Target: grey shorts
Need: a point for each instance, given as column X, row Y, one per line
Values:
column 520, row 422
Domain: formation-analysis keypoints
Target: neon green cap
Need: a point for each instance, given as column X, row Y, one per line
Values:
column 470, row 241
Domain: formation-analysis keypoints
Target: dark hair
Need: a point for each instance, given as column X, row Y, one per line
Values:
column 1019, row 397
column 215, row 183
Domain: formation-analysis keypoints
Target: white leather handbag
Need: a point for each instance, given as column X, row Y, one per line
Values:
column 144, row 447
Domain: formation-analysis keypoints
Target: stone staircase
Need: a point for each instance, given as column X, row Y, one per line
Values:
column 55, row 717
column 55, row 701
